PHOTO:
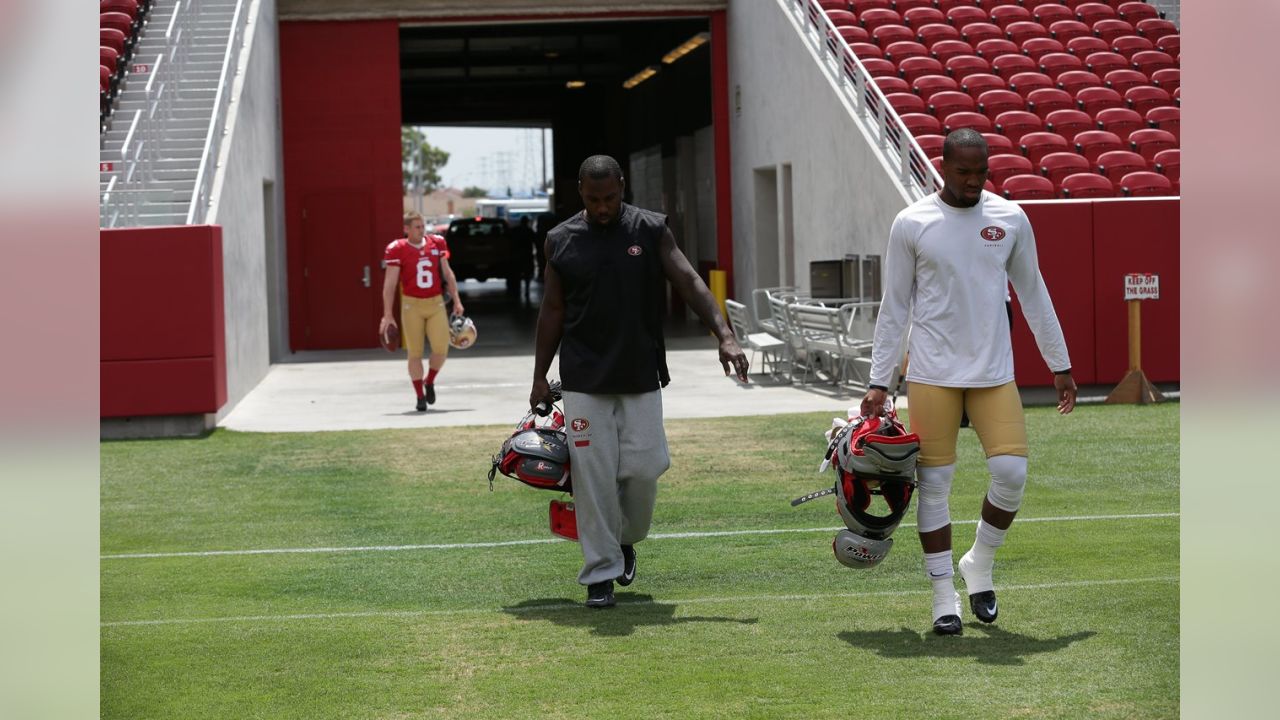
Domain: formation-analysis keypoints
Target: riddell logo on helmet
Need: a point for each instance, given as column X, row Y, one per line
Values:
column 992, row 233
column 579, row 424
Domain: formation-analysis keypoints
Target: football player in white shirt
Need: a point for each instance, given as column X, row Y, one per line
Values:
column 950, row 258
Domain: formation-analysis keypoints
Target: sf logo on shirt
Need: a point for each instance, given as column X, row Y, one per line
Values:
column 992, row 233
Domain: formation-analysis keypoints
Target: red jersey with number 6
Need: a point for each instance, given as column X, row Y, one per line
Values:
column 419, row 265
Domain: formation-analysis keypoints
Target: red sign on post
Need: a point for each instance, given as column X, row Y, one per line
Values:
column 1141, row 286
column 140, row 68
column 106, row 167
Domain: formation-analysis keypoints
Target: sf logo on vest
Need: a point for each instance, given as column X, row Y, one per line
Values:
column 992, row 233
column 634, row 250
column 579, row 424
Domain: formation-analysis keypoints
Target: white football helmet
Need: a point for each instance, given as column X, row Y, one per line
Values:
column 462, row 332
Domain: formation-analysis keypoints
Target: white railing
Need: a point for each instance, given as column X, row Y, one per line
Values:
column 877, row 119
column 199, row 207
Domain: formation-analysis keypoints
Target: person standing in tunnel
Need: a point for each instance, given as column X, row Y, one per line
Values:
column 602, row 308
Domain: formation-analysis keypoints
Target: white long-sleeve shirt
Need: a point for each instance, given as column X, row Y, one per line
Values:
column 946, row 276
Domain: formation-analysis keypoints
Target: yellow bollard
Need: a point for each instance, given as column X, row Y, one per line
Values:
column 717, row 286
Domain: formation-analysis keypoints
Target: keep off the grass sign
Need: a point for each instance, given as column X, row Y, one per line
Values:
column 1141, row 286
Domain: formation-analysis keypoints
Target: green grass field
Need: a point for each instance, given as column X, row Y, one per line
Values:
column 751, row 625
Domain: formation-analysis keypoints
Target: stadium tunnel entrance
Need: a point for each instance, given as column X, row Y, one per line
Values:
column 642, row 89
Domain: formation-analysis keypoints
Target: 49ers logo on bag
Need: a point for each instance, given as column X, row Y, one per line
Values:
column 579, row 424
column 992, row 233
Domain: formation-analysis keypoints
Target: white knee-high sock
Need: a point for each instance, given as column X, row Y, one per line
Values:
column 976, row 565
column 937, row 566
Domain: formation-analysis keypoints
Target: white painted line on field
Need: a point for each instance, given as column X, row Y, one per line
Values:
column 546, row 541
column 738, row 599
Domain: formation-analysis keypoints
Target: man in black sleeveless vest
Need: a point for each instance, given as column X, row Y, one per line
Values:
column 602, row 306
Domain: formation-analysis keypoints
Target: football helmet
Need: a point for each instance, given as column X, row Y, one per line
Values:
column 462, row 332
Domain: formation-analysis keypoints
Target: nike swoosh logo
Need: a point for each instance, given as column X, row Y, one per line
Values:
column 941, row 574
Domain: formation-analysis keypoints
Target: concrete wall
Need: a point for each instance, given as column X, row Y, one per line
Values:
column 784, row 111
column 247, row 203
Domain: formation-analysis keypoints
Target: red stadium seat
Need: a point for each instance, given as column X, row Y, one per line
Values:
column 1086, row 45
column 1058, row 165
column 1122, row 80
column 931, row 144
column 999, row 145
column 944, row 50
column 112, row 38
column 1120, row 121
column 947, row 5
column 877, row 17
column 1168, row 79
column 861, row 6
column 1151, row 141
column 1171, row 44
column 988, row 4
column 914, row 68
column 904, row 6
column 1127, row 45
column 1101, row 63
column 994, row 48
column 1169, row 164
column 903, row 49
column 1006, row 15
column 926, row 86
column 1003, row 167
column 1024, row 83
column 116, row 21
column 892, row 85
column 1046, row 100
column 934, row 33
column 833, row 4
column 1145, row 184
column 1148, row 62
column 1016, row 123
column 866, row 51
column 854, row 34
column 970, row 120
column 1118, row 163
column 880, row 68
column 1020, row 32
column 1064, row 31
column 1093, row 143
column 109, row 58
column 1055, row 64
column 886, row 35
column 842, row 18
column 1073, row 81
column 1135, row 11
column 978, row 84
column 1049, row 14
column 1168, row 119
column 128, row 7
column 1010, row 65
column 961, row 67
column 1109, row 30
column 920, row 124
column 1027, row 187
column 920, row 16
column 974, row 33
column 993, row 102
column 1095, row 100
column 1068, row 123
column 1143, row 99
column 1036, row 48
column 1084, row 185
column 962, row 15
column 944, row 103
column 1092, row 12
column 1154, row 28
column 904, row 103
column 104, row 79
column 1036, row 145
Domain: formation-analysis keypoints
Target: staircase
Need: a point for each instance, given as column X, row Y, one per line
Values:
column 161, row 130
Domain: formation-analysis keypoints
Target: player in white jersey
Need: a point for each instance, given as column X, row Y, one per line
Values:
column 950, row 259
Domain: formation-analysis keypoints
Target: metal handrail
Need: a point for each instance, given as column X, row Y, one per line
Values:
column 199, row 207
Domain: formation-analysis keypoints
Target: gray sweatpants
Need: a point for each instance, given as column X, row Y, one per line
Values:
column 617, row 450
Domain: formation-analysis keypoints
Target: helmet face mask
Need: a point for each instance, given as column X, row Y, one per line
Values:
column 462, row 332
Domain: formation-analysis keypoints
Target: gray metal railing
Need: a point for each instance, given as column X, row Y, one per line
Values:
column 200, row 195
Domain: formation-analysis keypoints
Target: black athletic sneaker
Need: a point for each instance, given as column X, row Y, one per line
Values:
column 983, row 605
column 600, row 595
column 948, row 625
column 431, row 394
column 628, row 575
column 422, row 403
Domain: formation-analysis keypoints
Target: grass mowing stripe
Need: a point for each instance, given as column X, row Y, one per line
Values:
column 572, row 606
column 544, row 541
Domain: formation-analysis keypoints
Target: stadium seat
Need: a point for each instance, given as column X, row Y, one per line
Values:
column 988, row 4
column 128, row 7
column 1154, row 28
column 1093, row 143
column 920, row 124
column 999, row 145
column 1092, row 12
column 993, row 102
column 944, row 103
column 842, row 18
column 1118, row 163
column 1145, row 184
column 944, row 50
column 1049, row 14
column 112, row 38
column 1122, row 80
column 1127, row 45
column 1095, row 100
column 1086, row 45
column 1150, row 141
column 962, row 15
column 866, row 51
column 905, row 6
column 1167, row 118
column 1045, row 100
column 930, row 144
column 994, row 48
column 1036, row 145
column 1169, row 164
column 1148, row 62
column 1135, row 11
column 1170, row 44
column 1064, row 31
column 974, row 33
column 880, row 68
column 903, row 49
column 1055, row 64
column 1027, row 187
column 1101, row 63
column 1024, row 83
column 854, row 34
column 926, row 86
column 918, row 17
column 1120, row 121
column 886, row 35
column 104, row 79
column 116, row 21
column 1109, row 30
column 978, row 84
column 1058, row 165
column 1016, row 123
column 960, row 120
column 835, row 4
column 1006, row 15
column 1003, row 167
column 877, row 17
column 1084, row 185
column 1020, row 32
column 1038, row 47
column 1068, row 123
column 1168, row 79
column 1143, row 99
column 934, row 33
column 1073, row 81
column 914, row 68
column 904, row 103
column 892, row 85
column 109, row 58
column 1007, row 66
column 947, row 5
column 962, row 67
column 861, row 6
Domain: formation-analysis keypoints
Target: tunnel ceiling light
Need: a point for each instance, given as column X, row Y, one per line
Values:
column 575, row 84
column 640, row 77
column 686, row 47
